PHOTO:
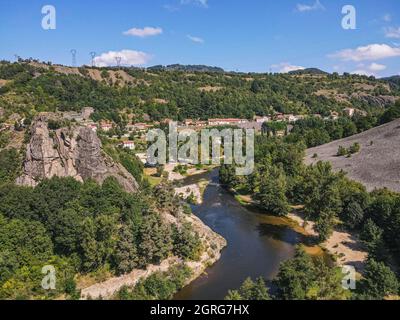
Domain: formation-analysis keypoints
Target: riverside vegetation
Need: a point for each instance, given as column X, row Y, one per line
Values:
column 281, row 180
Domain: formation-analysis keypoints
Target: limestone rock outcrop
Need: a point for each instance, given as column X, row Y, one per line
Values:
column 69, row 152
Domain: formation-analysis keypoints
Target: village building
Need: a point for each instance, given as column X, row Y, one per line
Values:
column 194, row 123
column 226, row 122
column 259, row 119
column 188, row 122
column 106, row 126
column 128, row 145
column 290, row 118
column 279, row 117
column 142, row 127
column 200, row 124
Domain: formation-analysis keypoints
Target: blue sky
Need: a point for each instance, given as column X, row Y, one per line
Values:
column 243, row 35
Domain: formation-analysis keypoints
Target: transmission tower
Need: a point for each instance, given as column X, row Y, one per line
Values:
column 93, row 55
column 73, row 53
column 118, row 59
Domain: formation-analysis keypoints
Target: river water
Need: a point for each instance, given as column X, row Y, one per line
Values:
column 257, row 243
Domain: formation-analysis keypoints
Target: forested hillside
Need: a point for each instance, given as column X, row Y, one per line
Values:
column 28, row 87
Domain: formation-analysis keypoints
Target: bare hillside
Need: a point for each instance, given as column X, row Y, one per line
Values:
column 377, row 165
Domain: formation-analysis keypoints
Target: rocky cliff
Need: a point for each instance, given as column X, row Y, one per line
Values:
column 69, row 152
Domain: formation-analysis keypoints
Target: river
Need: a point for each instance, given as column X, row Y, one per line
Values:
column 257, row 243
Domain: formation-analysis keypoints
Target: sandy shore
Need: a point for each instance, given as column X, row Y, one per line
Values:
column 345, row 247
column 192, row 189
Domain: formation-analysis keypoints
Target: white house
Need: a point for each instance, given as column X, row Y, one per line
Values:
column 229, row 121
column 106, row 126
column 259, row 119
column 128, row 145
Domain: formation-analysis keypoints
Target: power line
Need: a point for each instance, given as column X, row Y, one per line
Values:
column 93, row 55
column 73, row 53
column 118, row 59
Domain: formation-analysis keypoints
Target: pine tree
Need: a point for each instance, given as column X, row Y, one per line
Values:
column 125, row 257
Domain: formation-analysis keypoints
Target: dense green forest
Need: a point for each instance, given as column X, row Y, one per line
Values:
column 179, row 94
column 82, row 228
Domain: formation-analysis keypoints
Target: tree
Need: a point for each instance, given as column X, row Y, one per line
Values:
column 372, row 237
column 378, row 282
column 304, row 278
column 255, row 87
column 324, row 224
column 322, row 198
column 355, row 148
column 342, row 151
column 327, row 284
column 125, row 255
column 272, row 192
column 353, row 214
column 390, row 114
column 89, row 249
column 10, row 165
column 155, row 240
column 295, row 277
column 67, row 231
column 250, row 290
column 187, row 243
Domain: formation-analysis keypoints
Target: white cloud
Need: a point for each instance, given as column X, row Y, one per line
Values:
column 392, row 32
column 363, row 72
column 305, row 7
column 201, row 3
column 369, row 52
column 387, row 17
column 286, row 67
column 369, row 70
column 376, row 67
column 144, row 32
column 128, row 58
column 170, row 7
column 195, row 39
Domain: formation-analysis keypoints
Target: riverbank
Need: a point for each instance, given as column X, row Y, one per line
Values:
column 345, row 248
column 213, row 244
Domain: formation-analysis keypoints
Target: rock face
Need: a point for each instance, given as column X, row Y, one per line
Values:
column 69, row 152
column 377, row 165
column 381, row 101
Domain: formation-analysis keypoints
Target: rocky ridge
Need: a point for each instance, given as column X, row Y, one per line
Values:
column 69, row 152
